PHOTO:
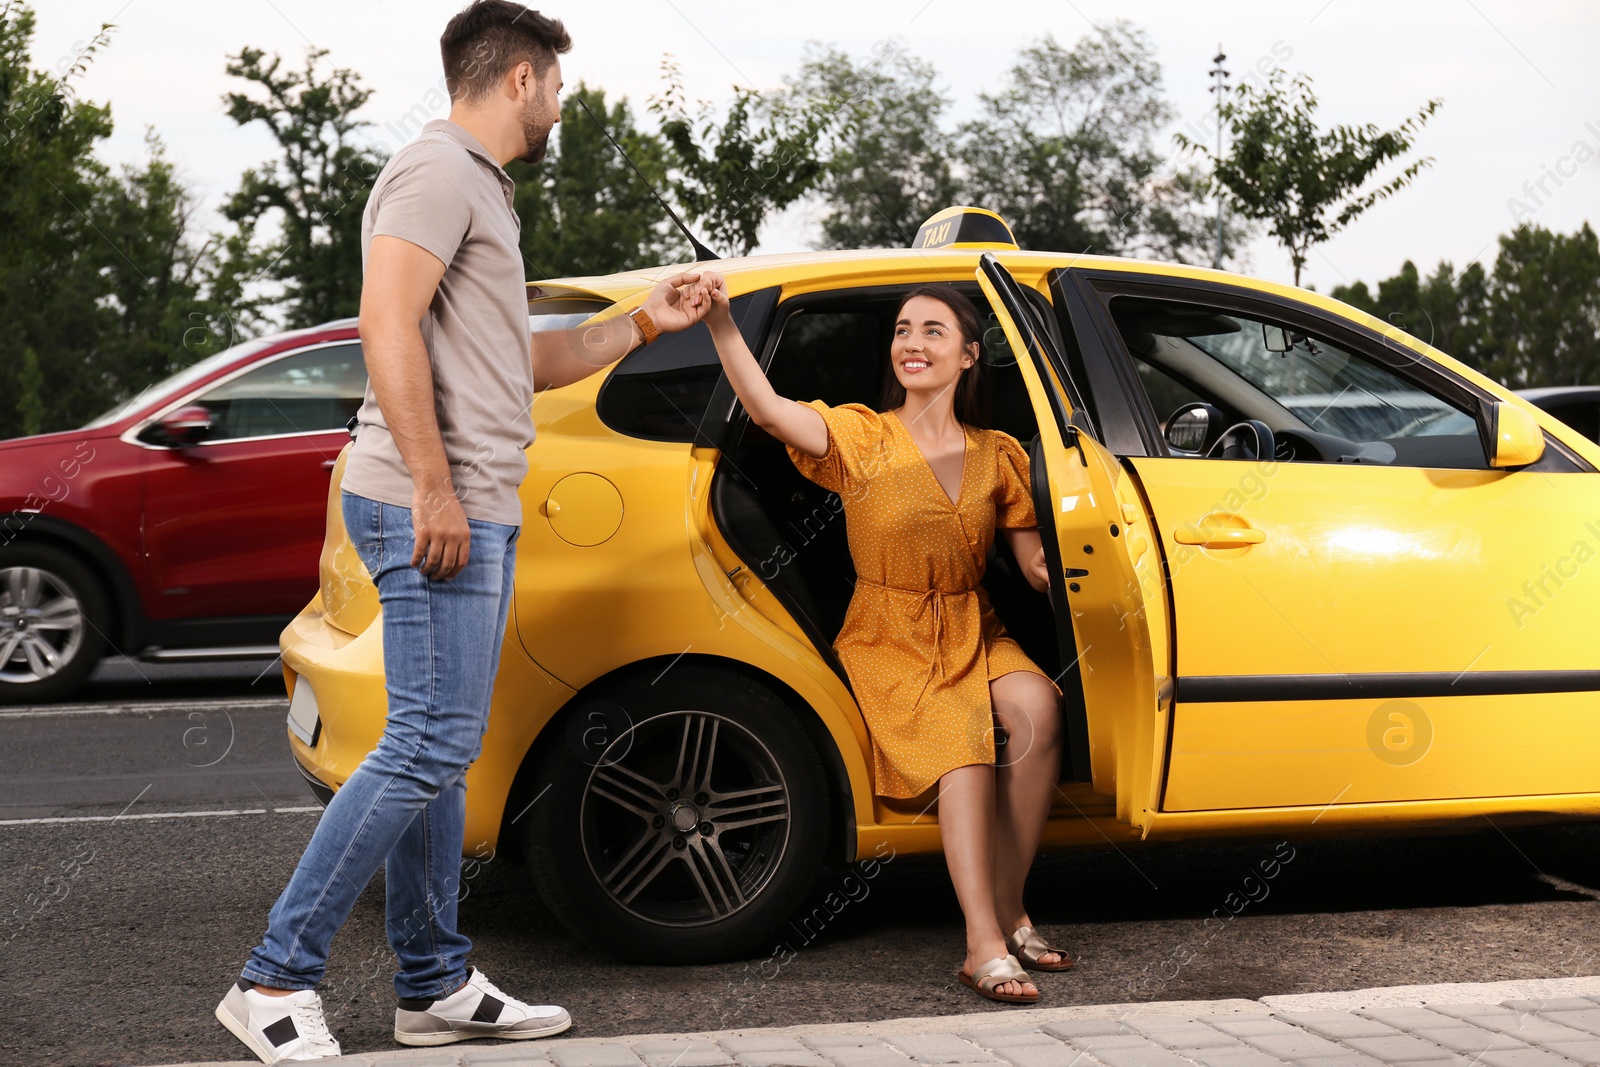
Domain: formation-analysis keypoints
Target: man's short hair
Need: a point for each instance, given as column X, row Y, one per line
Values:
column 488, row 38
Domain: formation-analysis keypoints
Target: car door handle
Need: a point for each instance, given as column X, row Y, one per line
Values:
column 327, row 464
column 1224, row 537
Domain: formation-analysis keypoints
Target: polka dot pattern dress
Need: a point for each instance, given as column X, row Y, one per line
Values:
column 920, row 642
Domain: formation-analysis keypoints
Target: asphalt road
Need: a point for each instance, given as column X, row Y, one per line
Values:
column 120, row 930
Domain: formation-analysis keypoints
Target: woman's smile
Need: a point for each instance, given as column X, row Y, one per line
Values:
column 927, row 343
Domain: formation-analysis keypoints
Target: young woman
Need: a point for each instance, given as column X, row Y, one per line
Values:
column 924, row 489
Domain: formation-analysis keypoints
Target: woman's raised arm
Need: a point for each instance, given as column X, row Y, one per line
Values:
column 792, row 423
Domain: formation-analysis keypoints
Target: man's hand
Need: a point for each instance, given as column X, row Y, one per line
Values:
column 678, row 302
column 443, row 538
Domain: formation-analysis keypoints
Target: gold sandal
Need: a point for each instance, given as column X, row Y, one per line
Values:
column 1029, row 947
column 995, row 973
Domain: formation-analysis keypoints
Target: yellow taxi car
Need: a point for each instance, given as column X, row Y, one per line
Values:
column 1311, row 574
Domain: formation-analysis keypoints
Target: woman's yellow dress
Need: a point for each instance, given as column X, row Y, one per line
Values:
column 920, row 642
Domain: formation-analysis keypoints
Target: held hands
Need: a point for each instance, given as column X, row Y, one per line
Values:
column 715, row 287
column 567, row 356
column 678, row 302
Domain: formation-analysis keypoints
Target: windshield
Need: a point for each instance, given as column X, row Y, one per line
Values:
column 177, row 383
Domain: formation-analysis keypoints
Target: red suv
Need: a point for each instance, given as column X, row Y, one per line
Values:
column 183, row 524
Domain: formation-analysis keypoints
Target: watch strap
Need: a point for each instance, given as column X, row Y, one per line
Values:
column 647, row 326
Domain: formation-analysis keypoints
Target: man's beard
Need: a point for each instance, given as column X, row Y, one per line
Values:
column 536, row 127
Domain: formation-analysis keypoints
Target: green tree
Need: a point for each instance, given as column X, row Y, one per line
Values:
column 1447, row 310
column 1065, row 152
column 1535, row 320
column 30, row 395
column 583, row 209
column 161, row 289
column 48, row 250
column 729, row 174
column 314, row 192
column 1306, row 184
column 1544, row 308
column 888, row 162
column 99, row 276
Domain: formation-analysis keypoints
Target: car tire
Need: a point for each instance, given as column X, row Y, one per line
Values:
column 641, row 852
column 53, row 618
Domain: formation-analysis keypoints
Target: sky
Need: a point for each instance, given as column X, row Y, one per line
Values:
column 1517, row 139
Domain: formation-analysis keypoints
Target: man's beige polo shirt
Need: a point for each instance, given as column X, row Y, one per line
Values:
column 443, row 192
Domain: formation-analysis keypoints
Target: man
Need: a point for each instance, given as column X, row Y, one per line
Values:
column 430, row 503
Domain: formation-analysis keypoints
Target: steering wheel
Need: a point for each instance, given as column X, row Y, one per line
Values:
column 1251, row 439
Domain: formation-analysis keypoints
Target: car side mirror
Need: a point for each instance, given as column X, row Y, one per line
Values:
column 1516, row 439
column 1189, row 428
column 183, row 426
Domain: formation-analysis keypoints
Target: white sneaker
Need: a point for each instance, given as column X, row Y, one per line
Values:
column 475, row 1010
column 278, row 1029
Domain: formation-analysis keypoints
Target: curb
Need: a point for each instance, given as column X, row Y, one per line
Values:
column 648, row 1047
column 1415, row 996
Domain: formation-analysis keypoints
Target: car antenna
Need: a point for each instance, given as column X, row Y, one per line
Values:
column 701, row 252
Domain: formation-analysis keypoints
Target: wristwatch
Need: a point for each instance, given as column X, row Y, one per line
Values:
column 647, row 326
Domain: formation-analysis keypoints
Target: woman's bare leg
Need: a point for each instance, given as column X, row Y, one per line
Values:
column 1029, row 765
column 967, row 827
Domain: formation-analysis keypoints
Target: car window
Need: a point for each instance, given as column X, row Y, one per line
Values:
column 1167, row 394
column 307, row 392
column 179, row 381
column 835, row 356
column 660, row 391
column 1323, row 401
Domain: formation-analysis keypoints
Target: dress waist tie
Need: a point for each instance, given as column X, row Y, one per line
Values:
column 925, row 598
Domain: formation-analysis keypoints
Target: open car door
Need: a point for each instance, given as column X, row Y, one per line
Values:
column 1106, row 582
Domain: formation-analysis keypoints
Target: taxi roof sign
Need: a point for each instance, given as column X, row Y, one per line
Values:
column 964, row 227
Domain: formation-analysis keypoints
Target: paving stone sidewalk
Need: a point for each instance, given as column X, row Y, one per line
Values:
column 1554, row 1023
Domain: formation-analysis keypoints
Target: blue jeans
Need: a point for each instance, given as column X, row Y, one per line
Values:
column 405, row 806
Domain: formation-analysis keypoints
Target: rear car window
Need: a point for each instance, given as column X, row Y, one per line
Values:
column 661, row 391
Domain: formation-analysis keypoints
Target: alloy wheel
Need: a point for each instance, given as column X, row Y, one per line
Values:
column 685, row 817
column 41, row 624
